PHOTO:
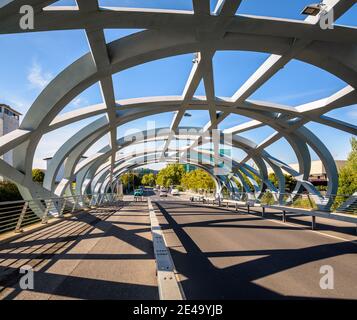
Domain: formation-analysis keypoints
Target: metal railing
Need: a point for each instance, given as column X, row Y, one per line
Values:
column 332, row 203
column 15, row 215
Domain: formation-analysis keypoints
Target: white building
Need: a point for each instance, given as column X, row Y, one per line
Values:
column 9, row 121
column 60, row 173
column 318, row 173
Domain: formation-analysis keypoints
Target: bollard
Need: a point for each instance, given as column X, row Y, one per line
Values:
column 236, row 207
column 263, row 211
column 313, row 222
column 248, row 208
column 21, row 217
column 284, row 216
column 227, row 204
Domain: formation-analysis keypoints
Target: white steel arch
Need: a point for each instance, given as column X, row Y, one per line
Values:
column 168, row 33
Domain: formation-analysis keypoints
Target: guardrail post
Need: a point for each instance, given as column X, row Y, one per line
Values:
column 236, row 206
column 74, row 205
column 248, row 207
column 62, row 208
column 263, row 211
column 96, row 200
column 284, row 216
column 45, row 216
column 21, row 217
column 313, row 222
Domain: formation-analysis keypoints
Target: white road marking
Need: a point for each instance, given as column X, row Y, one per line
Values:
column 314, row 231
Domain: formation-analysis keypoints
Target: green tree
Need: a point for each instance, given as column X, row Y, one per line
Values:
column 9, row 191
column 130, row 181
column 148, row 179
column 38, row 175
column 348, row 174
column 197, row 180
column 170, row 175
column 290, row 182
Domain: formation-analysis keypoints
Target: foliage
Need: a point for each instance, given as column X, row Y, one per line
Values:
column 197, row 179
column 130, row 181
column 170, row 175
column 239, row 185
column 9, row 191
column 38, row 175
column 267, row 198
column 304, row 203
column 348, row 174
column 321, row 188
column 290, row 182
column 347, row 182
column 247, row 181
column 148, row 180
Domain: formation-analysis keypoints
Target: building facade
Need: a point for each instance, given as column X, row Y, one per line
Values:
column 60, row 173
column 9, row 121
column 318, row 175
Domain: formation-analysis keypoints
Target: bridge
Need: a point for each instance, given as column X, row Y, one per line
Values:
column 85, row 239
column 214, row 252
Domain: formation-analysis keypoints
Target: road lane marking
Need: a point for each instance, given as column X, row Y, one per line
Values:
column 296, row 226
column 314, row 231
column 169, row 286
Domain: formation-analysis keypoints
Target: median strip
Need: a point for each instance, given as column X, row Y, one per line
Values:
column 169, row 287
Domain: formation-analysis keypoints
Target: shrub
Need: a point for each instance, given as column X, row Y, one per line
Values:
column 9, row 191
column 38, row 175
column 304, row 203
column 267, row 198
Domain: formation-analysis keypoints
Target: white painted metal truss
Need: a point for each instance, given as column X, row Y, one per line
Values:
column 169, row 33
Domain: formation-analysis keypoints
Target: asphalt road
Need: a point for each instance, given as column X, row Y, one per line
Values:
column 102, row 254
column 220, row 254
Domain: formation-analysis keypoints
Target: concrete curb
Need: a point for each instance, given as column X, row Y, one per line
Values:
column 169, row 287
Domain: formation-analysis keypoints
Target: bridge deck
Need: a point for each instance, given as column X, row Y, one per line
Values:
column 220, row 254
column 106, row 254
column 217, row 252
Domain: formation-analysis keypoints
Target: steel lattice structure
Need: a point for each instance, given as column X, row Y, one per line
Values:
column 169, row 33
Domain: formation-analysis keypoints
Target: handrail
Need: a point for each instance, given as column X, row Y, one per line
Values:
column 330, row 203
column 15, row 215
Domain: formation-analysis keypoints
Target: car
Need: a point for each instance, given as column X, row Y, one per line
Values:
column 175, row 192
column 163, row 193
column 138, row 193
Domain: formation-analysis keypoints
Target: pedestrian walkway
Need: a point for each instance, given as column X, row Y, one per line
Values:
column 102, row 254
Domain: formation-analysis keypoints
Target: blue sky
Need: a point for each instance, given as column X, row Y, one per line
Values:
column 29, row 61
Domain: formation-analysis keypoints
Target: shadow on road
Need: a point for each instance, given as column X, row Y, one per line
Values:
column 205, row 281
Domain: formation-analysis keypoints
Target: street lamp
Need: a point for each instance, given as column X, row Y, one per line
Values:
column 313, row 9
column 196, row 58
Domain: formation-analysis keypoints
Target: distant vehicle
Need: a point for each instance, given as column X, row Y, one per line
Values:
column 138, row 193
column 175, row 192
column 163, row 193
